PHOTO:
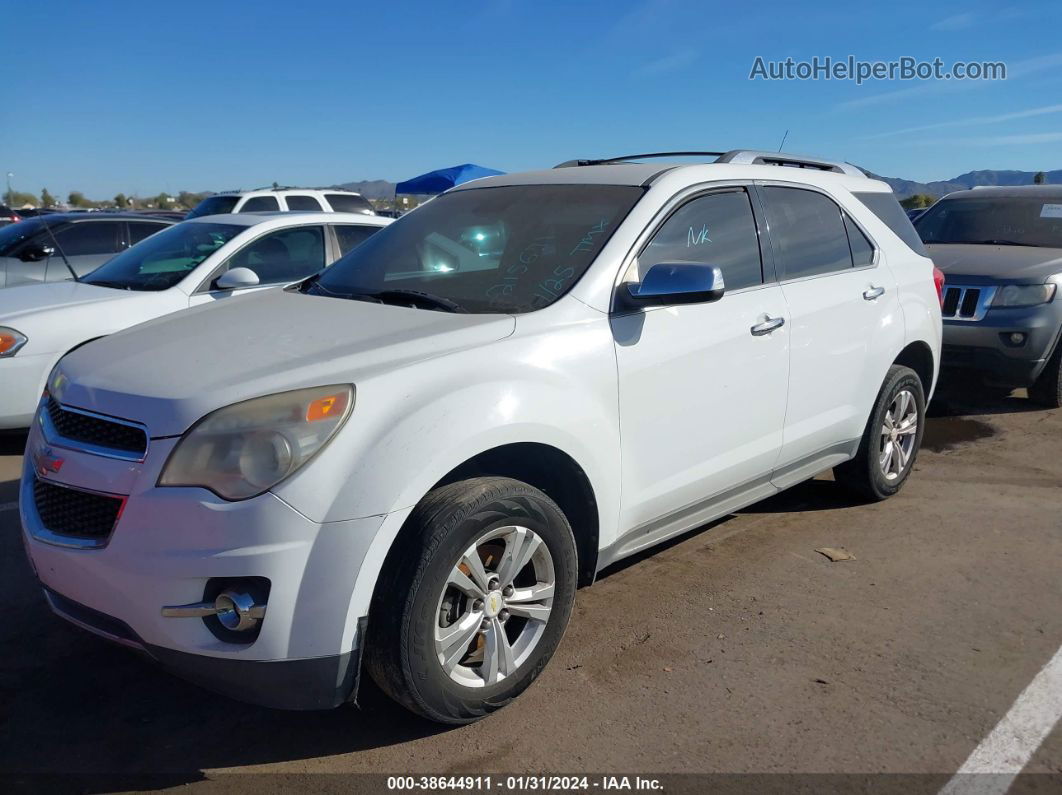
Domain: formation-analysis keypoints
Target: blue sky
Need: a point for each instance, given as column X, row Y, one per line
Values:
column 142, row 97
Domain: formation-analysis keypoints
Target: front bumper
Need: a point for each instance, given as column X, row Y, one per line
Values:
column 982, row 346
column 165, row 546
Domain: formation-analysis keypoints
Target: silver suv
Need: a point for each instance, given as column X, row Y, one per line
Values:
column 1001, row 253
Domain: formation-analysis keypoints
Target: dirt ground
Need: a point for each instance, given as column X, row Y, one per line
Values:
column 736, row 649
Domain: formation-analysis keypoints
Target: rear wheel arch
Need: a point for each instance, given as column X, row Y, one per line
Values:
column 919, row 357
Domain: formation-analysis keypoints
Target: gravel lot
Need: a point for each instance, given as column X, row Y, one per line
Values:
column 736, row 649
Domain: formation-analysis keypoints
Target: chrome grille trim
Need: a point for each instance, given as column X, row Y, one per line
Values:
column 56, row 439
column 958, row 297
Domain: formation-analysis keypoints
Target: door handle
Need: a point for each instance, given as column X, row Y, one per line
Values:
column 874, row 292
column 767, row 326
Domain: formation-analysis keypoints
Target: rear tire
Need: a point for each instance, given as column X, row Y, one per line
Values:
column 473, row 599
column 1047, row 391
column 891, row 440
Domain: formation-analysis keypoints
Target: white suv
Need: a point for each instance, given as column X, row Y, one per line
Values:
column 266, row 200
column 412, row 458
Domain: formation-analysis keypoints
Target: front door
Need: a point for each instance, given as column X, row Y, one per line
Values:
column 702, row 387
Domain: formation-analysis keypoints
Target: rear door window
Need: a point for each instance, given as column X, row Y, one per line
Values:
column 807, row 231
column 352, row 235
column 300, row 203
column 138, row 230
column 260, row 204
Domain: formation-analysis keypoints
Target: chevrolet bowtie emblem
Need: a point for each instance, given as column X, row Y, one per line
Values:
column 47, row 462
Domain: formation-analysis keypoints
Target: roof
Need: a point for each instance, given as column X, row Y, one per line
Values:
column 645, row 174
column 1009, row 191
column 295, row 218
column 54, row 218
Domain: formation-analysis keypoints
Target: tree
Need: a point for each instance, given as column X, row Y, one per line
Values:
column 77, row 199
column 47, row 199
column 121, row 200
column 918, row 200
column 162, row 200
column 1040, row 178
column 189, row 200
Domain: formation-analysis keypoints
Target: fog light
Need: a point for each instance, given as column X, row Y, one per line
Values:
column 1017, row 338
column 237, row 611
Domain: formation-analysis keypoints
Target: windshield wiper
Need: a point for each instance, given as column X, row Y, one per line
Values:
column 104, row 283
column 404, row 297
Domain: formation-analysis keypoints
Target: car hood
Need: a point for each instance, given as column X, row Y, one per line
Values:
column 170, row 372
column 29, row 299
column 1004, row 263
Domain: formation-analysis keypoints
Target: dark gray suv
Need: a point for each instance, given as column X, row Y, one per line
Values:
column 1001, row 253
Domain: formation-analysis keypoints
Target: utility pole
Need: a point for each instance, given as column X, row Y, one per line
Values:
column 7, row 195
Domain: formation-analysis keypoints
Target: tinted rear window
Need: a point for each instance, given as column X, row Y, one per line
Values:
column 890, row 213
column 260, row 204
column 345, row 203
column 214, row 205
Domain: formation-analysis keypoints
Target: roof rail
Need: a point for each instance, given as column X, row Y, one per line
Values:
column 625, row 158
column 753, row 157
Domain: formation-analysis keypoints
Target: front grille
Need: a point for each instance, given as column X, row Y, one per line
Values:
column 94, row 430
column 966, row 303
column 72, row 512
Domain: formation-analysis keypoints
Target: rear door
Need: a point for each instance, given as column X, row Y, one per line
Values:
column 844, row 311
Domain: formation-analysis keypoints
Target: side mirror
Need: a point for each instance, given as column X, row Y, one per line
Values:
column 35, row 252
column 236, row 278
column 677, row 283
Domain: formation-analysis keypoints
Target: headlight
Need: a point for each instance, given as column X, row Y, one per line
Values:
column 1024, row 295
column 245, row 449
column 10, row 341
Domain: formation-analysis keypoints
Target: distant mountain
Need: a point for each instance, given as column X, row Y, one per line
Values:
column 371, row 188
column 382, row 189
column 905, row 187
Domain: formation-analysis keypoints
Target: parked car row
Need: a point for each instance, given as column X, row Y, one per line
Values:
column 409, row 453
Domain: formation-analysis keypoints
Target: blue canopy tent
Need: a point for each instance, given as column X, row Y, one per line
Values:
column 443, row 179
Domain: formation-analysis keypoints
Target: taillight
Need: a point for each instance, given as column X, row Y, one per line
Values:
column 938, row 282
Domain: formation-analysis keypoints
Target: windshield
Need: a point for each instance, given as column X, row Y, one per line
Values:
column 214, row 205
column 993, row 220
column 163, row 259
column 13, row 234
column 485, row 250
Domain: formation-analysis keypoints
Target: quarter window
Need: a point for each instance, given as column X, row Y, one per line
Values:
column 807, row 231
column 349, row 203
column 260, row 204
column 862, row 249
column 286, row 255
column 298, row 203
column 88, row 238
column 716, row 229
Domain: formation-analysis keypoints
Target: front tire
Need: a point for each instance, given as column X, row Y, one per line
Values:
column 1047, row 391
column 473, row 600
column 891, row 440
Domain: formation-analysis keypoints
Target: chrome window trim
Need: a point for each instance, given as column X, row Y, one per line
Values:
column 55, row 439
column 35, row 525
column 674, row 203
column 984, row 301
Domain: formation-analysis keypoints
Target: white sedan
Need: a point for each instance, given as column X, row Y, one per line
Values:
column 199, row 261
